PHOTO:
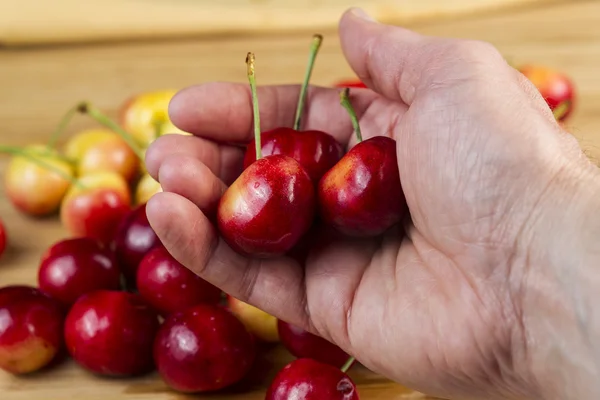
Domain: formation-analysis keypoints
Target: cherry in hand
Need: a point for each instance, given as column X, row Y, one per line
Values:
column 362, row 195
column 308, row 379
column 315, row 150
column 271, row 205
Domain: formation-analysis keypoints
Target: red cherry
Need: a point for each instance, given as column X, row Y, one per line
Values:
column 303, row 344
column 111, row 333
column 73, row 267
column 271, row 205
column 316, row 151
column 204, row 348
column 268, row 208
column 307, row 379
column 31, row 326
column 134, row 239
column 170, row 287
column 362, row 194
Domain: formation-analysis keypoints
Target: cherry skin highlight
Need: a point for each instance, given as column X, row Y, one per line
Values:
column 31, row 326
column 74, row 267
column 362, row 195
column 204, row 348
column 111, row 333
column 268, row 208
column 170, row 287
column 307, row 379
column 316, row 151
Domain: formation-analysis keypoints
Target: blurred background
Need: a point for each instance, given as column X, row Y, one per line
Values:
column 54, row 54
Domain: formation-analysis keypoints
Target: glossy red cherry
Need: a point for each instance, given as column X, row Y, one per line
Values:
column 307, row 379
column 315, row 150
column 204, row 348
column 170, row 287
column 271, row 205
column 362, row 194
column 134, row 239
column 303, row 344
column 111, row 333
column 31, row 326
column 73, row 267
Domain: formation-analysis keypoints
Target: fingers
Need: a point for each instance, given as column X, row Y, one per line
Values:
column 275, row 286
column 223, row 160
column 223, row 111
column 190, row 178
column 401, row 64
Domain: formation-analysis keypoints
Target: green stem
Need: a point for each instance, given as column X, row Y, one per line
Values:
column 62, row 125
column 87, row 108
column 15, row 151
column 345, row 101
column 314, row 49
column 252, row 80
column 347, row 364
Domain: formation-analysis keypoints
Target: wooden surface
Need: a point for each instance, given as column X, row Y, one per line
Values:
column 92, row 20
column 39, row 84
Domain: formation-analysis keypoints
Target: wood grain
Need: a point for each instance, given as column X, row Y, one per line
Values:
column 39, row 84
column 68, row 21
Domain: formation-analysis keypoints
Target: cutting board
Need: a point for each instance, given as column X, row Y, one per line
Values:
column 34, row 22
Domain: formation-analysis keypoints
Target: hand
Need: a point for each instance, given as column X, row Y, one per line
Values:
column 439, row 308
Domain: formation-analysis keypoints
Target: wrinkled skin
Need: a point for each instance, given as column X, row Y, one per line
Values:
column 447, row 307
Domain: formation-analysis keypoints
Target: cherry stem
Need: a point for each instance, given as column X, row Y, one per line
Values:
column 87, row 108
column 252, row 80
column 561, row 109
column 347, row 364
column 16, row 151
column 62, row 125
column 345, row 101
column 314, row 49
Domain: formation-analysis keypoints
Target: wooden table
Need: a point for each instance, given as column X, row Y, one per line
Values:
column 38, row 84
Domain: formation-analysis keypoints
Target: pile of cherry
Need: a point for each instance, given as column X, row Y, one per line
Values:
column 113, row 298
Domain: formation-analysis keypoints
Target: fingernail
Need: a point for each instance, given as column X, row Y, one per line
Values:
column 360, row 13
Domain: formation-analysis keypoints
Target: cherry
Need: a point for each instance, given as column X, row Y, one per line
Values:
column 303, row 344
column 74, row 267
column 307, row 379
column 3, row 238
column 145, row 116
column 97, row 150
column 30, row 329
column 170, row 287
column 555, row 87
column 95, row 206
column 134, row 238
column 261, row 324
column 315, row 150
column 111, row 333
column 362, row 195
column 37, row 179
column 204, row 348
column 271, row 205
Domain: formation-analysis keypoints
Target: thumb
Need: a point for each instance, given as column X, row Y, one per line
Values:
column 401, row 64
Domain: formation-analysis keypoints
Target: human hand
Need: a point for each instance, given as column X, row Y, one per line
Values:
column 439, row 308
